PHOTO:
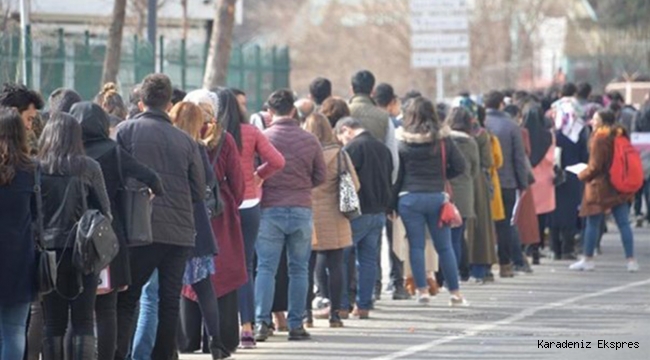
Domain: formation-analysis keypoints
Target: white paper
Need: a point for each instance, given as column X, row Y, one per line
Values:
column 577, row 168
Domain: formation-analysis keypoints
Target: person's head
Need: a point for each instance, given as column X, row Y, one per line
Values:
column 420, row 117
column 111, row 101
column 520, row 96
column 206, row 100
column 596, row 99
column 494, row 100
column 335, row 109
column 411, row 94
column 94, row 121
column 363, row 82
column 583, row 90
column 178, row 95
column 156, row 92
column 603, row 118
column 26, row 101
column 62, row 99
column 241, row 99
column 442, row 109
column 14, row 151
column 281, row 103
column 188, row 117
column 347, row 129
column 568, row 89
column 320, row 89
column 385, row 98
column 616, row 96
column 61, row 149
column 318, row 125
column 305, row 108
column 514, row 111
column 229, row 114
column 460, row 119
column 135, row 102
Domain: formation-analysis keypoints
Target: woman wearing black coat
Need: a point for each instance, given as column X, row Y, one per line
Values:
column 95, row 132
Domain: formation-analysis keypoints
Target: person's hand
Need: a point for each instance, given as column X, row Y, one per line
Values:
column 258, row 180
column 391, row 216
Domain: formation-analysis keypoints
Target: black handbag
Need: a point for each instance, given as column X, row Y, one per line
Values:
column 213, row 199
column 559, row 175
column 96, row 244
column 134, row 207
column 46, row 271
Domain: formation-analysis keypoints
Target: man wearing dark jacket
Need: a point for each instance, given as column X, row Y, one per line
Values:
column 374, row 165
column 513, row 175
column 152, row 139
column 287, row 217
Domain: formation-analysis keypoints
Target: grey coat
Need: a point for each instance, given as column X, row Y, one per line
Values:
column 463, row 185
column 514, row 172
column 155, row 142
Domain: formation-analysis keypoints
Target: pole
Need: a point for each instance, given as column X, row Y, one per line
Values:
column 24, row 23
column 440, row 81
column 152, row 9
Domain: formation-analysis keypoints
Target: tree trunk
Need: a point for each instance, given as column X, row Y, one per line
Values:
column 114, row 47
column 216, row 67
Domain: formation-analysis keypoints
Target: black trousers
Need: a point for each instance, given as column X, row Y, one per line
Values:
column 35, row 332
column 328, row 267
column 563, row 239
column 229, row 320
column 170, row 262
column 505, row 231
column 106, row 318
column 193, row 315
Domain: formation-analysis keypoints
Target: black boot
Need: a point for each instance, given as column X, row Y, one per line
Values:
column 217, row 350
column 53, row 348
column 84, row 348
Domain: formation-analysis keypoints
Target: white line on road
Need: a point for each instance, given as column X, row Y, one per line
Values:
column 473, row 331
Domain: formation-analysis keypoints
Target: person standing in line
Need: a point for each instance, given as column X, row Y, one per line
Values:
column 513, row 175
column 71, row 183
column 428, row 160
column 334, row 110
column 601, row 196
column 373, row 165
column 332, row 232
column 287, row 216
column 153, row 140
column 17, row 214
column 98, row 146
column 320, row 90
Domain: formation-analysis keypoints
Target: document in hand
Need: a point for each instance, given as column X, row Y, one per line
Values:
column 577, row 168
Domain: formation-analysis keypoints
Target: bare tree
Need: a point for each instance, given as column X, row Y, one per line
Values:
column 216, row 68
column 114, row 46
column 139, row 7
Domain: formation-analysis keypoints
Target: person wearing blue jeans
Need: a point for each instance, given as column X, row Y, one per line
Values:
column 13, row 328
column 280, row 227
column 145, row 332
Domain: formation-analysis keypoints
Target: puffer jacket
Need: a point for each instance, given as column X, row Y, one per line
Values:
column 463, row 185
column 152, row 139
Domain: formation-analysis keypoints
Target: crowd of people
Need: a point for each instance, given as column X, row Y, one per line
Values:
column 260, row 223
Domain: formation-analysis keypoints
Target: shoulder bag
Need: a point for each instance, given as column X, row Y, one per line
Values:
column 134, row 208
column 213, row 199
column 46, row 272
column 349, row 203
column 449, row 214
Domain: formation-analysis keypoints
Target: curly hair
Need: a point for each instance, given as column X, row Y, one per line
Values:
column 20, row 97
column 111, row 101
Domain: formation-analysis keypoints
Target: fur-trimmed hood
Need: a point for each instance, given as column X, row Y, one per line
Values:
column 413, row 138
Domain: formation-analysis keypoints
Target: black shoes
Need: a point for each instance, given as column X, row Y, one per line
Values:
column 262, row 332
column 401, row 294
column 299, row 334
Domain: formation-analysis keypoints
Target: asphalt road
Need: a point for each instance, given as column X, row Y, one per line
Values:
column 506, row 319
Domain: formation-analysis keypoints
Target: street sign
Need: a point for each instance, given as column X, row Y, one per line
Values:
column 420, row 6
column 431, row 23
column 439, row 41
column 439, row 59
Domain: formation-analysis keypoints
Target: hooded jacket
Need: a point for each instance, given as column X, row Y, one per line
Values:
column 95, row 129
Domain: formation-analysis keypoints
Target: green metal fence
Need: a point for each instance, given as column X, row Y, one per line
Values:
column 76, row 61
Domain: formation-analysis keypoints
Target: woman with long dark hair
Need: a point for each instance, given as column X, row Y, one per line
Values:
column 95, row 126
column 71, row 181
column 420, row 189
column 17, row 212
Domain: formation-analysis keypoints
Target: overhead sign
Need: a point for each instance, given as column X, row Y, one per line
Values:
column 426, row 22
column 420, row 6
column 439, row 59
column 439, row 41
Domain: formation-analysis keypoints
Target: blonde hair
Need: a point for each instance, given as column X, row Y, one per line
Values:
column 189, row 118
column 319, row 125
column 111, row 101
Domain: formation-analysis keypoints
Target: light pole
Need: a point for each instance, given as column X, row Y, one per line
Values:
column 24, row 43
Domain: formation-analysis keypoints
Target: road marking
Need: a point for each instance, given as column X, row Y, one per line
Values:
column 507, row 321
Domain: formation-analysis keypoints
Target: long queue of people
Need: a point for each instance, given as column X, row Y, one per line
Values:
column 243, row 219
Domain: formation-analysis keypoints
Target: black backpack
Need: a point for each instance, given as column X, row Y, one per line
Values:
column 213, row 199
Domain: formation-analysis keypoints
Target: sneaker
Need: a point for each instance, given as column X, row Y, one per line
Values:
column 423, row 299
column 583, row 265
column 299, row 334
column 639, row 221
column 390, row 287
column 505, row 271
column 458, row 301
column 247, row 340
column 262, row 332
column 400, row 294
column 524, row 269
column 632, row 266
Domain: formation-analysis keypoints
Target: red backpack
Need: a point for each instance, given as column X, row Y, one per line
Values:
column 626, row 171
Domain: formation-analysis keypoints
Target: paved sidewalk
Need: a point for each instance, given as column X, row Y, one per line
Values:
column 506, row 319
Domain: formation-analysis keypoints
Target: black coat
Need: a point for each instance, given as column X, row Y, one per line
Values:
column 569, row 195
column 152, row 139
column 205, row 241
column 95, row 126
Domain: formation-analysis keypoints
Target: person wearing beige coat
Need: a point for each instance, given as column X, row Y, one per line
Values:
column 331, row 232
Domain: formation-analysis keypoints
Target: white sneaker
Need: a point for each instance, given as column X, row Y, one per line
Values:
column 632, row 266
column 458, row 301
column 423, row 299
column 583, row 265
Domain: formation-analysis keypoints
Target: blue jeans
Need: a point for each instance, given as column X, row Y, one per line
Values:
column 280, row 227
column 479, row 271
column 250, row 225
column 419, row 211
column 457, row 238
column 145, row 333
column 13, row 330
column 366, row 235
column 592, row 230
